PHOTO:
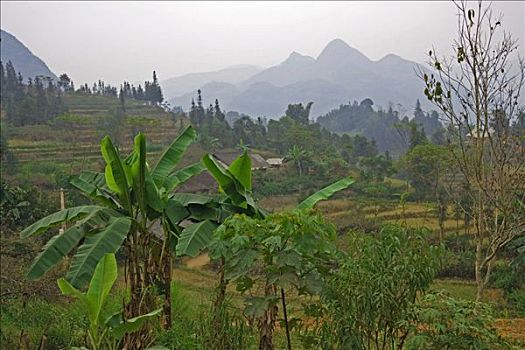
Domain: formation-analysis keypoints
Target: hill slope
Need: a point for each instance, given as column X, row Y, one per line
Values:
column 24, row 61
column 189, row 83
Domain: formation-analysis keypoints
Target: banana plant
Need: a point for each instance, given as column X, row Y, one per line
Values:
column 130, row 198
column 105, row 331
column 235, row 185
column 235, row 196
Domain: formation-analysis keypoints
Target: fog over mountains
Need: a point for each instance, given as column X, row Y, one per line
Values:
column 339, row 74
column 24, row 61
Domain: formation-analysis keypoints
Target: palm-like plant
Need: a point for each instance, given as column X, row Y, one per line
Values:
column 297, row 155
column 132, row 200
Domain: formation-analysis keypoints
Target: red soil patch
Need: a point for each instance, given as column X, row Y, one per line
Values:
column 511, row 327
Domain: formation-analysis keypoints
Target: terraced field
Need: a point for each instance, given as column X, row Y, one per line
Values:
column 75, row 135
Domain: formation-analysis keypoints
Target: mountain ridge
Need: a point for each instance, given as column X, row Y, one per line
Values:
column 23, row 60
column 338, row 75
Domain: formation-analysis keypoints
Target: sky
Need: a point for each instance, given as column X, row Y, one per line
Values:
column 117, row 41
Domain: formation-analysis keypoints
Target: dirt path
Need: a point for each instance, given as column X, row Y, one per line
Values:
column 197, row 262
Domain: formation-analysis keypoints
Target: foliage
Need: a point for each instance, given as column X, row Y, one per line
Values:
column 281, row 251
column 426, row 167
column 480, row 112
column 20, row 205
column 381, row 126
column 36, row 102
column 446, row 323
column 509, row 275
column 194, row 327
column 369, row 298
column 105, row 330
column 34, row 320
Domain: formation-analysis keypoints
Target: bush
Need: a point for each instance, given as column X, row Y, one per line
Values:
column 62, row 325
column 369, row 299
column 193, row 327
column 446, row 323
column 460, row 258
column 382, row 190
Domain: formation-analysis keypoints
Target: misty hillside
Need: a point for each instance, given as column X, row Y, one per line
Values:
column 191, row 82
column 24, row 61
column 338, row 75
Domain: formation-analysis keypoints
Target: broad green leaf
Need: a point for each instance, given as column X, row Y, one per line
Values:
column 225, row 179
column 117, row 177
column 172, row 155
column 55, row 250
column 256, row 306
column 241, row 168
column 58, row 218
column 325, row 193
column 138, row 171
column 195, row 237
column 60, row 245
column 189, row 198
column 176, row 212
column 103, row 279
column 153, row 198
column 91, row 184
column 67, row 289
column 181, row 176
column 88, row 182
column 204, row 212
column 95, row 246
column 133, row 324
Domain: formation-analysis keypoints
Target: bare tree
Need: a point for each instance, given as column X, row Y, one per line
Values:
column 478, row 90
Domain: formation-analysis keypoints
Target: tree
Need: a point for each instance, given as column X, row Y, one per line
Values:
column 64, row 82
column 121, row 100
column 131, row 199
column 299, row 113
column 472, row 87
column 428, row 168
column 369, row 298
column 297, row 155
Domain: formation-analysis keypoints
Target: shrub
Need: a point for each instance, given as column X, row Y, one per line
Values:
column 34, row 318
column 369, row 299
column 446, row 323
column 193, row 327
column 460, row 257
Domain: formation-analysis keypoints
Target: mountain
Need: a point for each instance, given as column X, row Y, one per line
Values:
column 184, row 84
column 24, row 61
column 338, row 75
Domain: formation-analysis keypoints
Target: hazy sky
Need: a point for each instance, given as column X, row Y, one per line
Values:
column 127, row 40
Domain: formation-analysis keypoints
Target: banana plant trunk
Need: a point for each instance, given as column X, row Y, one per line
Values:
column 139, row 273
column 166, row 278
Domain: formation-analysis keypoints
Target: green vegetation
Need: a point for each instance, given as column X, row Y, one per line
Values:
column 375, row 232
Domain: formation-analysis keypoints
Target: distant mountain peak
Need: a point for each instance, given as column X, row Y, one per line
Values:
column 338, row 51
column 391, row 57
column 296, row 57
column 337, row 43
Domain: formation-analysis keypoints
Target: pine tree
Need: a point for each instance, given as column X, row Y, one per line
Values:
column 418, row 112
column 121, row 100
column 218, row 113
